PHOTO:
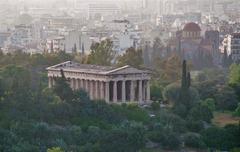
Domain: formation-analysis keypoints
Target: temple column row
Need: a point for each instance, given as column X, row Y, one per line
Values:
column 139, row 90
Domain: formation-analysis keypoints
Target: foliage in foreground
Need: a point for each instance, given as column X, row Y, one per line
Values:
column 35, row 118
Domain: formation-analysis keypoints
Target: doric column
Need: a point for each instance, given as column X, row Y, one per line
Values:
column 71, row 83
column 80, row 84
column 50, row 82
column 96, row 90
column 86, row 85
column 148, row 91
column 102, row 90
column 74, row 83
column 144, row 91
column 115, row 91
column 77, row 84
column 53, row 81
column 132, row 92
column 91, row 90
column 107, row 91
column 140, row 91
column 123, row 91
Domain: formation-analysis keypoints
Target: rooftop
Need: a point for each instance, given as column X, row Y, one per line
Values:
column 93, row 69
column 192, row 27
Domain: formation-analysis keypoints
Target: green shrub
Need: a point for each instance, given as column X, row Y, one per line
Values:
column 155, row 106
column 193, row 140
column 210, row 103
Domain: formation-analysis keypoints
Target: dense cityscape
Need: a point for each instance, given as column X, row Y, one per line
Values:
column 119, row 75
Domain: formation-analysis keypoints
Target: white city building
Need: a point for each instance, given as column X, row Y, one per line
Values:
column 67, row 40
column 232, row 45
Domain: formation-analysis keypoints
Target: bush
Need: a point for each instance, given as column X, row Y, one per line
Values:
column 210, row 103
column 173, row 122
column 213, row 137
column 195, row 126
column 193, row 140
column 225, row 138
column 170, row 140
column 156, row 93
column 200, row 113
column 180, row 110
column 171, row 92
column 155, row 106
column 237, row 111
column 226, row 99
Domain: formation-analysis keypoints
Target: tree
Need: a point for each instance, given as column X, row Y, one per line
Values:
column 172, row 122
column 225, row 138
column 146, row 55
column 193, row 140
column 155, row 106
column 210, row 103
column 131, row 57
column 62, row 88
column 184, row 82
column 128, row 138
column 200, row 113
column 156, row 92
column 167, row 70
column 171, row 93
column 234, row 76
column 213, row 137
column 237, row 111
column 226, row 99
column 101, row 53
column 170, row 140
column 74, row 49
column 157, row 48
column 185, row 94
column 16, row 78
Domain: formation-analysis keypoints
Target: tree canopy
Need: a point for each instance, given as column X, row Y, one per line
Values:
column 102, row 53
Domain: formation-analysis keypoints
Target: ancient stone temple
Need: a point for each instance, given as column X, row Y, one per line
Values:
column 114, row 85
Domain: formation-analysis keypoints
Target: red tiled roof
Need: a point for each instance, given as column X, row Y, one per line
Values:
column 192, row 27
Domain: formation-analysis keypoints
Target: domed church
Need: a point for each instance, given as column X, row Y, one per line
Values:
column 192, row 46
column 191, row 31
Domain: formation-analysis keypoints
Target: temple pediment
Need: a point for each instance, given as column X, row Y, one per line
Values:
column 126, row 70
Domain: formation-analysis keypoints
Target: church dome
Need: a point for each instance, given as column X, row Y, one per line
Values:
column 192, row 27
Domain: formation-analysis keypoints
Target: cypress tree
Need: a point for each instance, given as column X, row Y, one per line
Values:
column 184, row 75
column 184, row 94
column 62, row 88
column 83, row 49
column 189, row 80
column 62, row 74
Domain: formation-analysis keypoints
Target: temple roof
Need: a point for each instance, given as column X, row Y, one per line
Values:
column 95, row 69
